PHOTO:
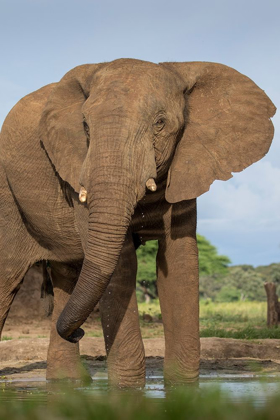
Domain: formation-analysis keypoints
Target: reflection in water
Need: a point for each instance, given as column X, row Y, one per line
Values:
column 259, row 388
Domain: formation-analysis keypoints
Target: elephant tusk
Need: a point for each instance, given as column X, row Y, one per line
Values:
column 151, row 185
column 83, row 195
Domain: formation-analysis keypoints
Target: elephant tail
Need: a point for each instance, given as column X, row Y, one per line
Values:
column 47, row 290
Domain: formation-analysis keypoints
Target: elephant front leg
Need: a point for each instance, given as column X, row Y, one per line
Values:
column 63, row 361
column 120, row 322
column 178, row 288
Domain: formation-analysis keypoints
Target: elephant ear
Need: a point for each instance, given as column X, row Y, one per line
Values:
column 61, row 126
column 228, row 128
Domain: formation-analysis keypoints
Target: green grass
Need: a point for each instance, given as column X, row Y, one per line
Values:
column 244, row 320
column 152, row 309
column 6, row 338
column 189, row 403
column 247, row 333
column 98, row 333
column 250, row 312
column 232, row 312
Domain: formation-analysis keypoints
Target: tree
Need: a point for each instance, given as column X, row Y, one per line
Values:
column 209, row 261
column 247, row 283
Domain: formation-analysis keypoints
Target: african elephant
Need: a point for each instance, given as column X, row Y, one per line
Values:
column 111, row 156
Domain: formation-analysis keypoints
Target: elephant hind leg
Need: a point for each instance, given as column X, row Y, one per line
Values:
column 6, row 301
column 18, row 250
column 16, row 258
column 11, row 278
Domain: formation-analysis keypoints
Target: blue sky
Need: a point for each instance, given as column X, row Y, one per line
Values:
column 42, row 39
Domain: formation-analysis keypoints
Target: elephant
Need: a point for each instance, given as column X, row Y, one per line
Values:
column 114, row 155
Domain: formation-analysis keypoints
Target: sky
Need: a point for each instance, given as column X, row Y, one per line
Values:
column 41, row 40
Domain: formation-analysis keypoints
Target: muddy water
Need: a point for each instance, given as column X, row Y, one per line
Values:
column 235, row 387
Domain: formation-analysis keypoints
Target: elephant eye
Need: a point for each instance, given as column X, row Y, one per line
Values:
column 86, row 128
column 159, row 124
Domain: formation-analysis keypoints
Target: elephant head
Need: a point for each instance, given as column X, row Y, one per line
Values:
column 113, row 127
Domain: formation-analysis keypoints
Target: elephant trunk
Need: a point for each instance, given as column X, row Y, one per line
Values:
column 112, row 197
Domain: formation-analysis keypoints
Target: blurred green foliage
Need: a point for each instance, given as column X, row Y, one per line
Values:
column 190, row 402
column 240, row 283
column 210, row 262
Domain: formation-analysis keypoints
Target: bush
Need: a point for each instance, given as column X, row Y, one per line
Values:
column 228, row 294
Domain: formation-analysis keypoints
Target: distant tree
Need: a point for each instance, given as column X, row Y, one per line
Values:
column 271, row 273
column 210, row 262
column 247, row 281
column 240, row 282
column 228, row 294
column 210, row 286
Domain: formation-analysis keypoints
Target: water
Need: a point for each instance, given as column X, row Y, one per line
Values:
column 236, row 387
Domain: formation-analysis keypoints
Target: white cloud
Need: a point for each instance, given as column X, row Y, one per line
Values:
column 242, row 216
column 250, row 196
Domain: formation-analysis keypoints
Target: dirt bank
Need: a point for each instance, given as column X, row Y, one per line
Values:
column 26, row 358
column 93, row 347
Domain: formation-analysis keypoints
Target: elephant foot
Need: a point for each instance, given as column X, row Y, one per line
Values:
column 127, row 378
column 172, row 380
column 174, row 374
column 135, row 382
column 67, row 372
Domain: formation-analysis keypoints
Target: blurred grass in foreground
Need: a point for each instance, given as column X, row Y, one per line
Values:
column 189, row 403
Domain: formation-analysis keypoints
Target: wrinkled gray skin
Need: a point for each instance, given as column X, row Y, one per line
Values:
column 110, row 128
